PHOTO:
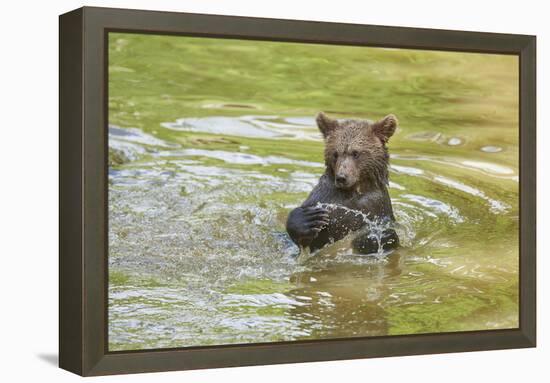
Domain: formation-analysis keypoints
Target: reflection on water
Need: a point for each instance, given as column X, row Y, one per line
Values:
column 250, row 126
column 239, row 158
column 205, row 165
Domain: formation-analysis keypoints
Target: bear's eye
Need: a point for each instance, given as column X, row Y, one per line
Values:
column 355, row 154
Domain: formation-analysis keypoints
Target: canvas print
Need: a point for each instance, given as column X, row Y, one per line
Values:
column 264, row 191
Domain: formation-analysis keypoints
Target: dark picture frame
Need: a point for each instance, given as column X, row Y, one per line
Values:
column 83, row 267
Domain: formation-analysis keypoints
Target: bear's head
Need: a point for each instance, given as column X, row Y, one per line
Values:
column 355, row 150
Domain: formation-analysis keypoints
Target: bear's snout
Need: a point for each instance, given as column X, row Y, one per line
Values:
column 345, row 176
column 341, row 181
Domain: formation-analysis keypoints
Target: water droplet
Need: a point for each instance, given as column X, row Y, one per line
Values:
column 491, row 149
column 454, row 141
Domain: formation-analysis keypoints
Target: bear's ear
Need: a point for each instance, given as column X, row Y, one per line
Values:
column 325, row 124
column 385, row 127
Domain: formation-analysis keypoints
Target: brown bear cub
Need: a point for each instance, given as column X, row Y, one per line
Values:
column 356, row 178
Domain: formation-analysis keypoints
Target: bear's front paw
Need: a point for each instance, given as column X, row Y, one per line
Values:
column 304, row 223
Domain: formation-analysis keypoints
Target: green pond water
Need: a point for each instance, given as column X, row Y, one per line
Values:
column 212, row 142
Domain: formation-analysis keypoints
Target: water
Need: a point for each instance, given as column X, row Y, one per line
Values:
column 202, row 177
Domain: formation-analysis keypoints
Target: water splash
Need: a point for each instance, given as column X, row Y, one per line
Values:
column 373, row 228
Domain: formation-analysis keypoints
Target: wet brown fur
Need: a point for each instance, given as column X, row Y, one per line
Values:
column 367, row 139
column 356, row 177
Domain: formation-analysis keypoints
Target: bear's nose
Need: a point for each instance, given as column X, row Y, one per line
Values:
column 340, row 179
